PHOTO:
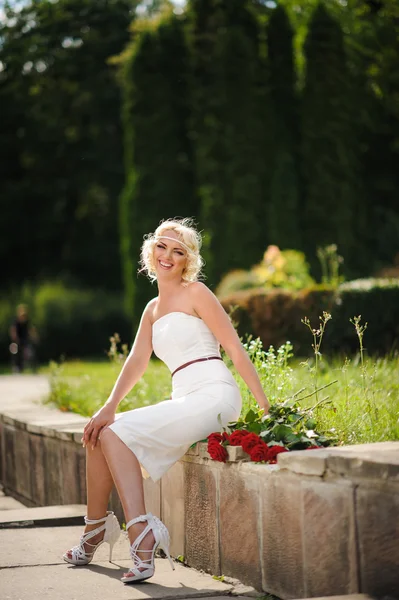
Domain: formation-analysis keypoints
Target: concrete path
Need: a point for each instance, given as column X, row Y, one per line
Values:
column 31, row 568
column 21, row 398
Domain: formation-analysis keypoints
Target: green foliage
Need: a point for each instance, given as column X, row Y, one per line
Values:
column 330, row 165
column 157, row 147
column 350, row 417
column 227, row 128
column 83, row 387
column 236, row 280
column 285, row 189
column 350, row 414
column 287, row 269
column 268, row 124
column 275, row 315
column 70, row 322
column 286, row 424
column 330, row 262
column 61, row 163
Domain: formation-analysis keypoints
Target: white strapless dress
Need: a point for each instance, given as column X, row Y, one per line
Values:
column 162, row 433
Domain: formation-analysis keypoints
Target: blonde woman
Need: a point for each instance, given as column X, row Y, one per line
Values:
column 185, row 326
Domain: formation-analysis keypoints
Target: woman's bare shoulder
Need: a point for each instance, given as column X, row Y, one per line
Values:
column 150, row 308
column 197, row 289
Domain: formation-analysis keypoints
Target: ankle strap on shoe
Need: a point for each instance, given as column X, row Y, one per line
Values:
column 95, row 521
column 140, row 519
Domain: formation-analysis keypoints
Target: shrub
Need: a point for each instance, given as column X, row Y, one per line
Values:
column 70, row 322
column 275, row 315
column 285, row 269
column 235, row 281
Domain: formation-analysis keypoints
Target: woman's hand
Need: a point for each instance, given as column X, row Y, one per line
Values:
column 103, row 417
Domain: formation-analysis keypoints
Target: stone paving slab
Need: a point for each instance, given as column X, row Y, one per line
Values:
column 45, row 546
column 31, row 567
column 8, row 503
column 348, row 597
column 43, row 516
column 101, row 581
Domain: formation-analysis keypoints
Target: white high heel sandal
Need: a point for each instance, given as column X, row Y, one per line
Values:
column 162, row 540
column 110, row 526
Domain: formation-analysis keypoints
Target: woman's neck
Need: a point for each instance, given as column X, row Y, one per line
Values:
column 166, row 289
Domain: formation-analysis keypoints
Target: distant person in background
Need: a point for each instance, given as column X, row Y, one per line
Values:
column 23, row 340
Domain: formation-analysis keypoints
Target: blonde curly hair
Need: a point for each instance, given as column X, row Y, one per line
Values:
column 190, row 240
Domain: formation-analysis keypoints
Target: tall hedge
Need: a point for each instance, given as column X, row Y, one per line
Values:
column 329, row 161
column 241, row 228
column 158, row 159
column 226, row 124
column 205, row 21
column 284, row 229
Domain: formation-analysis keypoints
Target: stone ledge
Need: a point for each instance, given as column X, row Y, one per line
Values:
column 380, row 460
column 66, row 515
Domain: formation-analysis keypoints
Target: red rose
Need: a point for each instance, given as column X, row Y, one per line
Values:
column 225, row 436
column 260, row 452
column 217, row 437
column 237, row 436
column 217, row 452
column 273, row 451
column 249, row 441
column 313, row 448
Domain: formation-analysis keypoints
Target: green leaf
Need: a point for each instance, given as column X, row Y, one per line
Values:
column 293, row 418
column 310, row 424
column 291, row 437
column 280, row 431
column 255, row 428
column 250, row 417
column 266, row 436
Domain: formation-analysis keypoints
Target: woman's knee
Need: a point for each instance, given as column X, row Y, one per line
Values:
column 107, row 437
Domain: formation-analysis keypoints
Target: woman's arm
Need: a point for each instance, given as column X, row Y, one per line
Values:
column 208, row 307
column 133, row 369
column 136, row 362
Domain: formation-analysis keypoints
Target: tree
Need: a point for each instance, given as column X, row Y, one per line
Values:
column 158, row 155
column 226, row 128
column 330, row 166
column 59, row 200
column 284, row 228
column 374, row 55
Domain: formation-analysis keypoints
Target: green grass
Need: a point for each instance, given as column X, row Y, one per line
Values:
column 364, row 406
column 361, row 406
column 83, row 387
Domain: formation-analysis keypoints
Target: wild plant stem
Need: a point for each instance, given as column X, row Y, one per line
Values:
column 319, row 390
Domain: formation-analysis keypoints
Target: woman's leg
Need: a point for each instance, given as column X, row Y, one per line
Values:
column 126, row 473
column 99, row 485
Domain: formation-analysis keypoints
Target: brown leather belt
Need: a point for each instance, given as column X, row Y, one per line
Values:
column 195, row 361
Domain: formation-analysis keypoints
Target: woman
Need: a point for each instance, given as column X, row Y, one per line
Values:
column 184, row 326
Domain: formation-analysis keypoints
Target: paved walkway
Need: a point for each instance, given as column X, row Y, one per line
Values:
column 31, row 567
column 31, row 564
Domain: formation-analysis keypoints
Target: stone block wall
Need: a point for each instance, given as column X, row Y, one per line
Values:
column 318, row 523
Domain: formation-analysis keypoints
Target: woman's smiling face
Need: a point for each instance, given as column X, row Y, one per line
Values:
column 169, row 256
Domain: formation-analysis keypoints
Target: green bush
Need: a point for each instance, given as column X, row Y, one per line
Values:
column 275, row 315
column 285, row 269
column 70, row 322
